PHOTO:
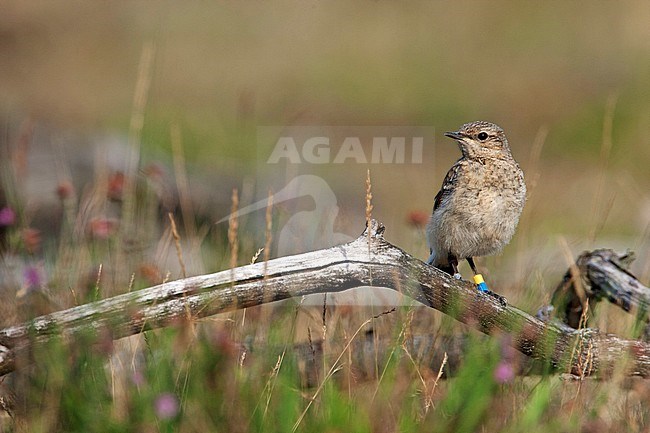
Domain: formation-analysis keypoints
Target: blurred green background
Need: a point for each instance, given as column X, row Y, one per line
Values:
column 568, row 81
column 550, row 73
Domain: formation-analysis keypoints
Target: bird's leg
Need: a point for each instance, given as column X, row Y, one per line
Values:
column 478, row 278
column 481, row 285
column 470, row 260
column 453, row 261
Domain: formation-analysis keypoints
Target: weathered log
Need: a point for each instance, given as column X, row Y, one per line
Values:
column 597, row 275
column 367, row 261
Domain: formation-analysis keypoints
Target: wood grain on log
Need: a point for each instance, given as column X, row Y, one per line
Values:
column 602, row 274
column 334, row 269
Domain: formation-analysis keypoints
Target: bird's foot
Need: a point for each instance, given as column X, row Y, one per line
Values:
column 458, row 276
column 482, row 287
column 502, row 300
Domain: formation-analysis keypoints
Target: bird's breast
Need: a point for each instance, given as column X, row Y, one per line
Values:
column 482, row 214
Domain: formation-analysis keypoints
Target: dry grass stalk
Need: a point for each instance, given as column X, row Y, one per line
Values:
column 98, row 280
column 599, row 218
column 440, row 372
column 256, row 256
column 576, row 278
column 584, row 362
column 324, row 316
column 268, row 237
column 182, row 182
column 177, row 244
column 140, row 96
column 533, row 174
column 368, row 204
column 270, row 385
column 335, row 367
column 233, row 225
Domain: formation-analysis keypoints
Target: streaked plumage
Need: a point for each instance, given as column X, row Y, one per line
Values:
column 477, row 210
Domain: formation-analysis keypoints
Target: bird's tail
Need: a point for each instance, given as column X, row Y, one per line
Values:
column 443, row 267
column 446, row 268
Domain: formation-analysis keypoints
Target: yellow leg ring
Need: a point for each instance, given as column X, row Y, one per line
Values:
column 480, row 283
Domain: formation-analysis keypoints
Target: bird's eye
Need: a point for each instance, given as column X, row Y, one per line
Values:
column 482, row 136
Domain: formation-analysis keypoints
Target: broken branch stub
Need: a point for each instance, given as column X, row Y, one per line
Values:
column 603, row 274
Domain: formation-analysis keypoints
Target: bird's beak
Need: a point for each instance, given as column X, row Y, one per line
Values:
column 454, row 135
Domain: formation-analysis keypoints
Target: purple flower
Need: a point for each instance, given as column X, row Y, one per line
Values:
column 7, row 216
column 166, row 406
column 504, row 372
column 32, row 277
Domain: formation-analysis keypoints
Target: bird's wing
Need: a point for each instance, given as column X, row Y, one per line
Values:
column 447, row 185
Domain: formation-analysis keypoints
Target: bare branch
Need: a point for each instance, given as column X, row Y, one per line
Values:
column 331, row 270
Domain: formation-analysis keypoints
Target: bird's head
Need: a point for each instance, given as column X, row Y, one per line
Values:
column 481, row 140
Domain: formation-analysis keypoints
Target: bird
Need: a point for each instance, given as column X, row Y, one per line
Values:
column 477, row 209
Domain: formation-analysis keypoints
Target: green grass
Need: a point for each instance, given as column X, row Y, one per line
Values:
column 85, row 388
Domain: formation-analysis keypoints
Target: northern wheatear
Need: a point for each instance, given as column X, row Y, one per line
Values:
column 476, row 211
